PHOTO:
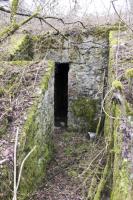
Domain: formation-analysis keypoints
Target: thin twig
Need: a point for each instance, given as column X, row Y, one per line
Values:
column 85, row 171
column 22, row 165
column 43, row 17
column 113, row 5
column 117, row 51
column 15, row 165
column 3, row 161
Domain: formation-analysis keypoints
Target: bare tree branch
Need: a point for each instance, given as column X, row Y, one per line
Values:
column 44, row 18
column 119, row 15
column 10, row 30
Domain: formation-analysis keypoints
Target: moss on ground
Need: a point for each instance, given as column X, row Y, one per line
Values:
column 20, row 63
column 76, row 149
column 2, row 91
column 3, row 126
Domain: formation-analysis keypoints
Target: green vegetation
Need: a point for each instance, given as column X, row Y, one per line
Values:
column 87, row 110
column 116, row 172
column 45, row 80
column 100, row 32
column 20, row 62
column 35, row 166
column 129, row 109
column 73, row 173
column 104, row 31
column 121, row 180
column 3, row 126
column 14, row 8
column 117, row 85
column 118, row 179
column 112, row 39
column 34, row 135
column 129, row 73
column 8, row 31
column 76, row 149
column 1, row 91
column 46, row 42
column 22, row 49
column 84, row 109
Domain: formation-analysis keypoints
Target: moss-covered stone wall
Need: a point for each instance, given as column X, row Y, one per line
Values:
column 37, row 132
column 35, row 122
column 84, row 111
column 118, row 122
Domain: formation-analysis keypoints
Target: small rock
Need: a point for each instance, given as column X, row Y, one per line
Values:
column 62, row 124
column 91, row 136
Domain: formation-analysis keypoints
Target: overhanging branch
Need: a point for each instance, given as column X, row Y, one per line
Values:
column 44, row 18
column 10, row 30
column 113, row 5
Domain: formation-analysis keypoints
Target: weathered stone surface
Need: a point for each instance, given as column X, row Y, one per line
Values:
column 37, row 132
column 118, row 121
column 87, row 57
column 35, row 119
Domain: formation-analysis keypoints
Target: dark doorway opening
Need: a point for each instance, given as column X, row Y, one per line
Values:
column 61, row 94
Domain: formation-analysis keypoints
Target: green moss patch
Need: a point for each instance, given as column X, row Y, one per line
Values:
column 86, row 109
column 3, row 126
column 121, row 180
column 1, row 91
column 117, row 85
column 22, row 49
column 129, row 73
column 17, row 47
column 35, row 167
column 45, row 80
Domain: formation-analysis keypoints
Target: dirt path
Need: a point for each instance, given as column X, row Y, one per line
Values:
column 73, row 153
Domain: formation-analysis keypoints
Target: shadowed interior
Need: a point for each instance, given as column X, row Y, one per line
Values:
column 61, row 94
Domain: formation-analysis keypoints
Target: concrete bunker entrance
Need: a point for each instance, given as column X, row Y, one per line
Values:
column 61, row 94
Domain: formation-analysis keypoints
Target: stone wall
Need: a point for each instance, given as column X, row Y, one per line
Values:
column 32, row 111
column 87, row 55
column 37, row 132
column 119, row 119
